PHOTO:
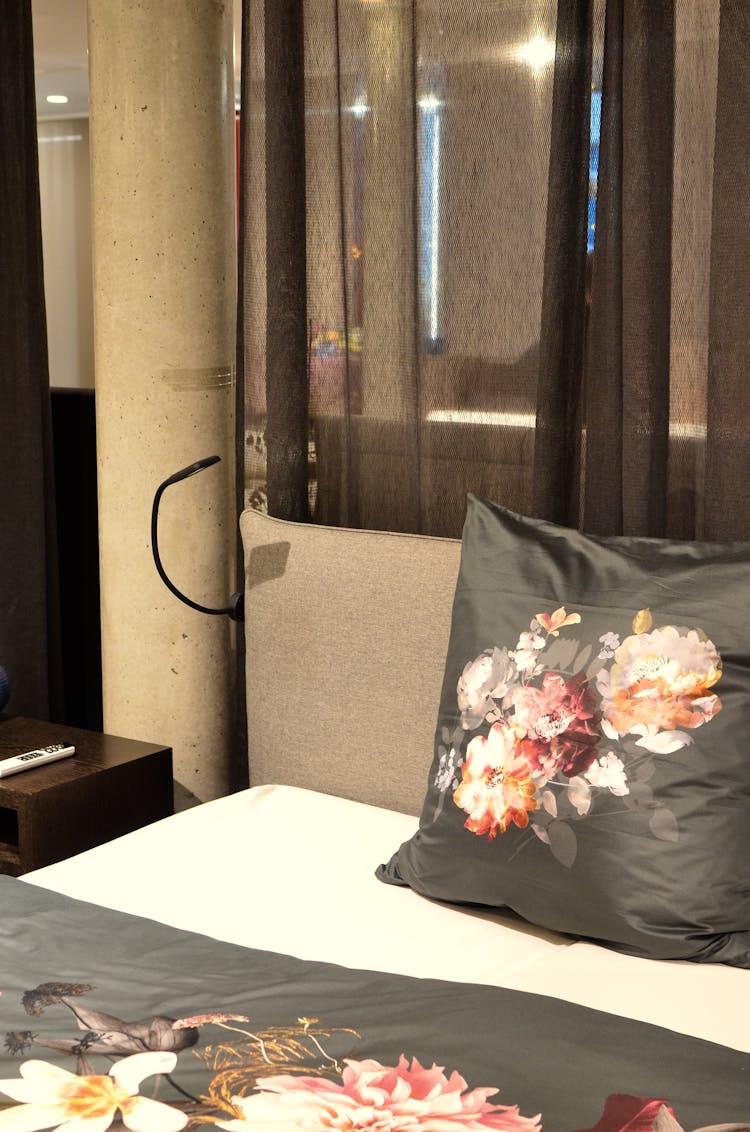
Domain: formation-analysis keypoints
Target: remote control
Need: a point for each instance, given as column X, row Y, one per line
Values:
column 31, row 759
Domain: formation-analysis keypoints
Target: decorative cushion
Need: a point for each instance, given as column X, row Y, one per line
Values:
column 592, row 755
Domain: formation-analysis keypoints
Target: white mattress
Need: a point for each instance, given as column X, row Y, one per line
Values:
column 302, row 858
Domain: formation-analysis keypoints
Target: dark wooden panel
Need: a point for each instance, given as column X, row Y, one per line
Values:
column 110, row 787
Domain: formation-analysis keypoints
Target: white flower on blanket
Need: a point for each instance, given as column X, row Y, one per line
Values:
column 51, row 1096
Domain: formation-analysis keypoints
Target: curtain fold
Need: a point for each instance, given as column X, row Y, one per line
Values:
column 557, row 450
column 628, row 359
column 285, row 218
column 518, row 237
column 727, row 514
column 29, row 603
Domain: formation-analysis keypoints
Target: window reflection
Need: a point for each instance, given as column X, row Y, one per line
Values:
column 430, row 156
column 595, row 130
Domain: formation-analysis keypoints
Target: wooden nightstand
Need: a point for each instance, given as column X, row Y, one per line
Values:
column 109, row 787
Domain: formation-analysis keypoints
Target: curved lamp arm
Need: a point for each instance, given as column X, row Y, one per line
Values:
column 236, row 607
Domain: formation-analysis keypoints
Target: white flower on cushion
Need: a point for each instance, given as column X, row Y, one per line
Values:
column 526, row 662
column 609, row 642
column 484, row 680
column 379, row 1098
column 50, row 1096
column 608, row 773
column 579, row 795
column 659, row 742
column 606, row 726
column 549, row 801
column 447, row 770
column 525, row 652
column 496, row 788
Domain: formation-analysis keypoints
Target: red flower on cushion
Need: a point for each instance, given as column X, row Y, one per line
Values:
column 634, row 1114
column 561, row 721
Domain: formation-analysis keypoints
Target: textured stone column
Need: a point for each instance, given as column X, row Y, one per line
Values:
column 162, row 129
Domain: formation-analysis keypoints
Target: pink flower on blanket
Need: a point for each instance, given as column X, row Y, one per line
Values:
column 406, row 1097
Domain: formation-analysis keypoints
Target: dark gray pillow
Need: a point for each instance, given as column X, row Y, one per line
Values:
column 592, row 754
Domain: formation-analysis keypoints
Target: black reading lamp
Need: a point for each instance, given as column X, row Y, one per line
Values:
column 236, row 607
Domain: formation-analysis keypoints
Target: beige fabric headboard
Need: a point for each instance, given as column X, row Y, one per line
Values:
column 346, row 636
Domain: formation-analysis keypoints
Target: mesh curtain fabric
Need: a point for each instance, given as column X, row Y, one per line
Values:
column 500, row 248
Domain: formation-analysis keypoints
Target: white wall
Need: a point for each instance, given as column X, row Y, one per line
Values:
column 66, row 240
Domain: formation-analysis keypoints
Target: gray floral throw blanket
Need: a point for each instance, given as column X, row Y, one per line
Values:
column 110, row 1019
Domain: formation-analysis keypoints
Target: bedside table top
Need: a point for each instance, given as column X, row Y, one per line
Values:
column 94, row 752
column 109, row 787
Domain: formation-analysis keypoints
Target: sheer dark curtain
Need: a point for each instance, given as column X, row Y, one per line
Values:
column 29, row 623
column 501, row 249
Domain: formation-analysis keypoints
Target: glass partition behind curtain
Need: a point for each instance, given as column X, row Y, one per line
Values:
column 498, row 248
column 29, row 609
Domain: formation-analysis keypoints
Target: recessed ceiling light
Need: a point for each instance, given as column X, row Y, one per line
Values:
column 57, row 98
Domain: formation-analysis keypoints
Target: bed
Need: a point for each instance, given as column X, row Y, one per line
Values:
column 241, row 963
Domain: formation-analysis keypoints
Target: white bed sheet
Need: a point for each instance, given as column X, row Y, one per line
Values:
column 290, row 870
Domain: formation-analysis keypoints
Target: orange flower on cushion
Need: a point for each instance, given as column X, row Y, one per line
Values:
column 552, row 623
column 661, row 679
column 496, row 788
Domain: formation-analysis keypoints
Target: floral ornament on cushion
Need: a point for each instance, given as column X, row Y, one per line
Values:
column 50, row 1096
column 560, row 721
column 554, row 729
column 552, row 623
column 405, row 1097
column 482, row 682
column 496, row 787
column 608, row 773
column 661, row 680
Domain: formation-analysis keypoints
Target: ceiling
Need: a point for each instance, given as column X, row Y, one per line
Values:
column 60, row 35
column 60, row 55
column 60, row 50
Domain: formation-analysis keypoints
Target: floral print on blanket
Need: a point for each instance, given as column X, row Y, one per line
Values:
column 276, row 1077
column 281, row 1076
column 548, row 727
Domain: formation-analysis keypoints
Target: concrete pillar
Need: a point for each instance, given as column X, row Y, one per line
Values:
column 163, row 224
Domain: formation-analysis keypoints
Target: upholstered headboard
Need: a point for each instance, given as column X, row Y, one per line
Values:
column 346, row 636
